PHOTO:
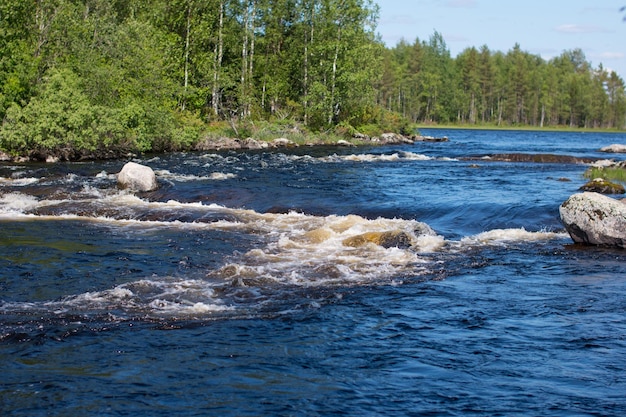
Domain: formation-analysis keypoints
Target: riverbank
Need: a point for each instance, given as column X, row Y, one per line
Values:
column 224, row 143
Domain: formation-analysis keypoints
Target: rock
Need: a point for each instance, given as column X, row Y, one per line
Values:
column 222, row 143
column 283, row 142
column 361, row 136
column 253, row 144
column 422, row 138
column 137, row 177
column 603, row 163
column 388, row 239
column 615, row 148
column 602, row 186
column 4, row 157
column 394, row 139
column 342, row 142
column 595, row 219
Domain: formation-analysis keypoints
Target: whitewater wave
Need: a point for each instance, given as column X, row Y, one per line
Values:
column 216, row 176
column 504, row 236
column 290, row 250
column 394, row 157
column 18, row 182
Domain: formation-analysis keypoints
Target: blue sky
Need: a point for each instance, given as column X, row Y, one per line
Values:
column 542, row 27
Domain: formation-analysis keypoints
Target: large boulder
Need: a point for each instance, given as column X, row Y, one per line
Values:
column 137, row 177
column 595, row 219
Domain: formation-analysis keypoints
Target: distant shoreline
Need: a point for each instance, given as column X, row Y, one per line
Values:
column 522, row 128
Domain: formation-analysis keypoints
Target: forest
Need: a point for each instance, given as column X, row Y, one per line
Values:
column 102, row 78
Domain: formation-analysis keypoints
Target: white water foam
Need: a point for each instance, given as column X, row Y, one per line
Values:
column 19, row 182
column 503, row 236
column 398, row 156
column 15, row 203
column 216, row 176
column 165, row 297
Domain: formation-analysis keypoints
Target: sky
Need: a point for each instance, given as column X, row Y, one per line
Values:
column 542, row 27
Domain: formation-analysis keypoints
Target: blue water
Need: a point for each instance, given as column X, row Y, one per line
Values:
column 234, row 289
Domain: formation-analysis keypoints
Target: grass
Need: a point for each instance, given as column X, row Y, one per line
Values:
column 612, row 174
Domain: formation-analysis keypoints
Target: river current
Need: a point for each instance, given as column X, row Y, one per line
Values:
column 247, row 284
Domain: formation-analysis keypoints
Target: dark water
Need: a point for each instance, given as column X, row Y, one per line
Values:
column 243, row 286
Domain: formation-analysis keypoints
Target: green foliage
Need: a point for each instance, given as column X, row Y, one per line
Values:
column 424, row 84
column 59, row 118
column 101, row 77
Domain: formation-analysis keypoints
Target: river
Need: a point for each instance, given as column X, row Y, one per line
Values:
column 246, row 284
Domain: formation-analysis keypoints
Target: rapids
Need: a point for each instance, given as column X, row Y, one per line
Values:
column 405, row 280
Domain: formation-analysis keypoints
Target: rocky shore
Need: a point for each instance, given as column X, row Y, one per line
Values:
column 225, row 144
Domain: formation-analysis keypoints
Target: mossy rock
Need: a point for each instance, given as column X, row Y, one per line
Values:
column 390, row 239
column 602, row 186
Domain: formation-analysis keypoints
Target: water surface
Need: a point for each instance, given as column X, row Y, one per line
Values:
column 237, row 289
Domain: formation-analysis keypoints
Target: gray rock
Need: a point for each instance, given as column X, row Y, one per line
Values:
column 253, row 144
column 615, row 148
column 595, row 219
column 137, row 177
column 283, row 142
column 222, row 143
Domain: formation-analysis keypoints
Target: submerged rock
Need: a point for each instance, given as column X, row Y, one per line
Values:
column 137, row 177
column 595, row 219
column 602, row 186
column 389, row 239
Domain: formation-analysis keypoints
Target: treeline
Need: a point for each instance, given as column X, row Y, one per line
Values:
column 422, row 82
column 102, row 77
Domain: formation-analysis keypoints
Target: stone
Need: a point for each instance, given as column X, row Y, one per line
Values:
column 389, row 239
column 423, row 138
column 595, row 219
column 615, row 148
column 253, row 144
column 137, row 177
column 218, row 144
column 283, row 142
column 602, row 186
